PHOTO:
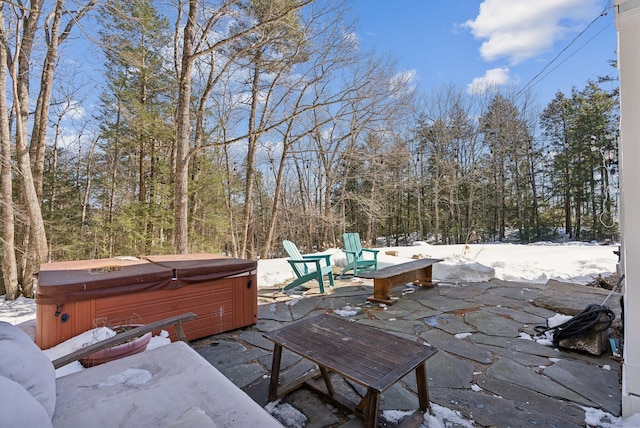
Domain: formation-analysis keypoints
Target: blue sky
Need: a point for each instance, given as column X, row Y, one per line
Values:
column 506, row 42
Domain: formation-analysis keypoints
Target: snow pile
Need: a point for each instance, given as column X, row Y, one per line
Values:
column 443, row 417
column 395, row 416
column 78, row 342
column 347, row 311
column 459, row 268
column 463, row 335
column 89, row 338
column 598, row 418
column 160, row 340
column 286, row 414
column 75, row 343
column 557, row 320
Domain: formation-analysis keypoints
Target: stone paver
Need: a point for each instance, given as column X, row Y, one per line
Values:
column 517, row 344
column 493, row 325
column 570, row 299
column 275, row 311
column 442, row 303
column 508, row 370
column 559, row 412
column 487, row 372
column 446, row 371
column 523, row 358
column 265, row 325
column 496, row 300
column 461, row 348
column 317, row 413
column 451, row 323
column 496, row 411
column 244, row 374
column 255, row 338
column 519, row 316
column 602, row 386
column 514, row 290
column 301, row 307
column 462, row 293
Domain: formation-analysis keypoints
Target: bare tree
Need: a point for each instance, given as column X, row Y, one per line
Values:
column 9, row 265
column 196, row 43
column 19, row 44
column 19, row 63
column 54, row 37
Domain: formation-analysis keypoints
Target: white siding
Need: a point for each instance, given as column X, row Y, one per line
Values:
column 628, row 24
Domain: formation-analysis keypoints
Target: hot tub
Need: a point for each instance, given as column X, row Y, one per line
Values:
column 73, row 297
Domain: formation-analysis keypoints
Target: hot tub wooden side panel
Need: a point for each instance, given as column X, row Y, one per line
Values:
column 245, row 292
column 211, row 301
column 221, row 305
column 73, row 318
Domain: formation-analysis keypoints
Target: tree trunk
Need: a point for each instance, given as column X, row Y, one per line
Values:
column 436, row 202
column 534, row 190
column 9, row 263
column 250, row 173
column 41, row 116
column 181, row 201
column 595, row 235
column 36, row 251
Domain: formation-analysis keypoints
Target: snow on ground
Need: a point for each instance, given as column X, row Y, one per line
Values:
column 17, row 311
column 533, row 263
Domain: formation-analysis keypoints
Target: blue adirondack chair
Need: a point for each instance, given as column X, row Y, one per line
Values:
column 308, row 267
column 355, row 254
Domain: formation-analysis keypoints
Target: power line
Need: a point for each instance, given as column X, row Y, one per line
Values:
column 604, row 12
column 572, row 54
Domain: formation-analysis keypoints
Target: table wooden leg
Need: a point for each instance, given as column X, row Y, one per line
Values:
column 327, row 380
column 371, row 411
column 423, row 387
column 362, row 404
column 275, row 372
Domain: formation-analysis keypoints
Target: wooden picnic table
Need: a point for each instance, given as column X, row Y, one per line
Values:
column 417, row 271
column 366, row 355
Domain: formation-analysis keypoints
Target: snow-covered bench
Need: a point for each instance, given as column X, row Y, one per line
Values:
column 170, row 386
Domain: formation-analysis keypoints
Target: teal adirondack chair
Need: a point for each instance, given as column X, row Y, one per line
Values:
column 301, row 265
column 355, row 254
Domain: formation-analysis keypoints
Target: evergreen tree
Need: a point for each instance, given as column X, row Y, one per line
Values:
column 507, row 140
column 137, row 122
column 580, row 132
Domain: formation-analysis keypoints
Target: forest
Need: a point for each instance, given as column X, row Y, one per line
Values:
column 227, row 126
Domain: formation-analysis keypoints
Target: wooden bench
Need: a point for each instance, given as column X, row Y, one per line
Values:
column 418, row 271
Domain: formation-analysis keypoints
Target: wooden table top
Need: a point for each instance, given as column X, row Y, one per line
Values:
column 367, row 355
column 399, row 269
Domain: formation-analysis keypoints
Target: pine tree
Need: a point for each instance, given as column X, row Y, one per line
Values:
column 137, row 120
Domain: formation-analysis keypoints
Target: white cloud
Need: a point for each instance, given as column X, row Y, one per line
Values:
column 352, row 40
column 521, row 29
column 402, row 79
column 491, row 79
column 402, row 83
column 76, row 111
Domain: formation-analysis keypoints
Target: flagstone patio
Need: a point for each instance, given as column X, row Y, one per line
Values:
column 483, row 368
